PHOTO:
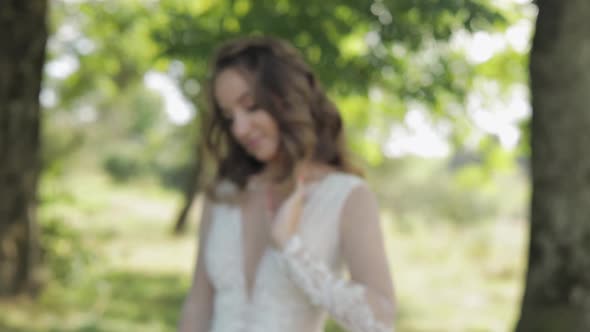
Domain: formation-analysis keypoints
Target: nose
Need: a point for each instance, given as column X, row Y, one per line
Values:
column 240, row 125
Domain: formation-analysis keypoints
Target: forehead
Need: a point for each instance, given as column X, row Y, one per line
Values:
column 230, row 85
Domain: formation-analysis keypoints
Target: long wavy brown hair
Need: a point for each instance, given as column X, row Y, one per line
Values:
column 282, row 84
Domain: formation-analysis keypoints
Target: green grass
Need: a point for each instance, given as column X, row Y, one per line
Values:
column 458, row 278
column 135, row 274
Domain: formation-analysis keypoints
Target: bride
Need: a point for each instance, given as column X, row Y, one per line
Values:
column 290, row 231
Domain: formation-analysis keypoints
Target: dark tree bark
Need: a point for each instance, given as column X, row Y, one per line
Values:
column 23, row 35
column 557, row 294
column 189, row 194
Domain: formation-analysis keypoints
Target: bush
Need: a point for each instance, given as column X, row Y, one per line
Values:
column 63, row 250
column 427, row 189
column 123, row 166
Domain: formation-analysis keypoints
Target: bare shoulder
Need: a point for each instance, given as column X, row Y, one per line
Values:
column 360, row 193
column 361, row 203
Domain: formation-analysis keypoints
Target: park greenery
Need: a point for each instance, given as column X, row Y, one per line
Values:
column 435, row 100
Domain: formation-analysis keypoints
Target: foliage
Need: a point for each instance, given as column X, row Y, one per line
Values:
column 330, row 33
column 123, row 167
column 136, row 162
column 401, row 49
column 437, row 191
column 65, row 253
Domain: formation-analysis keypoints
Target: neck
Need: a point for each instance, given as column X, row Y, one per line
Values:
column 271, row 169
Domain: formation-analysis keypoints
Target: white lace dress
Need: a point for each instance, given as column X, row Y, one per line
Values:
column 296, row 288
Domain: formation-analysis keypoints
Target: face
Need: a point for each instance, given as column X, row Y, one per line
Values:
column 251, row 126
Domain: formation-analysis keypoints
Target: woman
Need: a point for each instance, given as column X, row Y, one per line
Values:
column 286, row 213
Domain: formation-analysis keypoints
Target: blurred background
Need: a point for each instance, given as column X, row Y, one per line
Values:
column 435, row 98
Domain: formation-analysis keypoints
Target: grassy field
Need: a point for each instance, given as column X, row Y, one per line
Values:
column 123, row 271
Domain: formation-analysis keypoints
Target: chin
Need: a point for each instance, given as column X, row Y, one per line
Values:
column 264, row 156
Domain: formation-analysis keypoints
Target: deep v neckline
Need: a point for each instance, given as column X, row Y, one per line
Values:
column 252, row 253
column 250, row 284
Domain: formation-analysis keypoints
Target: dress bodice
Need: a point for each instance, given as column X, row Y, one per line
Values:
column 277, row 302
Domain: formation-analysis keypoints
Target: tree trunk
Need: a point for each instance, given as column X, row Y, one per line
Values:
column 23, row 35
column 557, row 294
column 189, row 195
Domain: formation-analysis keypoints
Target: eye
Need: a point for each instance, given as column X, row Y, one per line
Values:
column 253, row 108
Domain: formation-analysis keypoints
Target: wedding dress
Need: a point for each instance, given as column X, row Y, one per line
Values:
column 294, row 289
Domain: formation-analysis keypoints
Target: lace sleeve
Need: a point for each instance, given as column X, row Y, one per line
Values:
column 362, row 304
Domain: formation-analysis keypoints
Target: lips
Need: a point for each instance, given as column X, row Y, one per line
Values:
column 252, row 143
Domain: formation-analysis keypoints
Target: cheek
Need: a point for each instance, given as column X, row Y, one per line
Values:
column 271, row 128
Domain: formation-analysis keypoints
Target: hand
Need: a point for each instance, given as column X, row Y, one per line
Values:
column 287, row 219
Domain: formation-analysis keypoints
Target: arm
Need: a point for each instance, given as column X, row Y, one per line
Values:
column 364, row 251
column 365, row 303
column 198, row 306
